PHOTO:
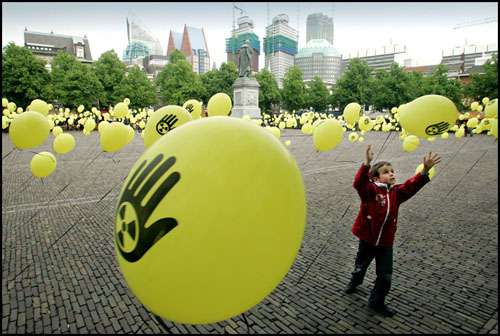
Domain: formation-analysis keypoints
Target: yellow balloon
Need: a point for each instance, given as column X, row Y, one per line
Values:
column 274, row 131
column 219, row 105
column 421, row 166
column 43, row 164
column 5, row 101
column 486, row 123
column 120, row 110
column 485, row 101
column 29, row 129
column 163, row 121
column 80, row 108
column 194, row 107
column 428, row 116
column 472, row 122
column 380, row 119
column 460, row 133
column 142, row 124
column 386, row 127
column 327, row 135
column 282, row 125
column 40, row 106
column 287, row 143
column 494, row 128
column 353, row 136
column 208, row 265
column 410, row 143
column 89, row 125
column 11, row 106
column 102, row 125
column 246, row 117
column 394, row 110
column 126, row 101
column 114, row 137
column 361, row 139
column 131, row 133
column 473, row 106
column 480, row 108
column 365, row 123
column 64, row 143
column 444, row 135
column 352, row 113
column 431, row 139
column 306, row 128
column 57, row 130
column 491, row 110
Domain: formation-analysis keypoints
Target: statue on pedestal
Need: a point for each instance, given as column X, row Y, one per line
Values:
column 245, row 60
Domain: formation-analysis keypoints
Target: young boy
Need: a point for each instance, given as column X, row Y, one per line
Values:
column 375, row 225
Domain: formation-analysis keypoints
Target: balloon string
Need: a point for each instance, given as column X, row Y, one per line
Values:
column 466, row 173
column 381, row 148
column 449, row 161
column 9, row 153
column 324, row 245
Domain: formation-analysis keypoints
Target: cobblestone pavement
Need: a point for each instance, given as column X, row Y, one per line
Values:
column 60, row 274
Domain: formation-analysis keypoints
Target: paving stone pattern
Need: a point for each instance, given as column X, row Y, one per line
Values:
column 60, row 274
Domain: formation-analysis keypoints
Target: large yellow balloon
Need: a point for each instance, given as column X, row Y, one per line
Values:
column 64, row 143
column 491, row 109
column 352, row 113
column 120, row 110
column 114, row 136
column 421, row 166
column 219, row 105
column 43, row 164
column 428, row 116
column 194, row 107
column 163, row 121
column 327, row 135
column 217, row 260
column 410, row 143
column 40, row 106
column 494, row 128
column 29, row 129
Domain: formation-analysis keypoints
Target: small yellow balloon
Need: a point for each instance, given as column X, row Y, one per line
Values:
column 29, row 129
column 365, row 123
column 431, row 139
column 57, row 130
column 361, row 139
column 11, row 106
column 352, row 113
column 472, row 122
column 421, row 166
column 80, row 108
column 287, row 143
column 473, row 106
column 428, row 116
column 480, row 108
column 410, row 143
column 43, row 164
column 460, row 133
column 194, row 108
column 485, row 101
column 126, row 101
column 353, row 136
column 491, row 110
column 274, row 131
column 40, row 106
column 120, row 110
column 444, row 135
column 63, row 143
column 327, row 135
column 219, row 105
column 5, row 101
column 89, row 125
column 163, row 121
column 281, row 125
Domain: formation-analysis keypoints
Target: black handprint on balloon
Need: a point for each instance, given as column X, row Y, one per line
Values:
column 166, row 123
column 132, row 238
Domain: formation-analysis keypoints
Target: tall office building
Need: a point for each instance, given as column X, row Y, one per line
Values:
column 280, row 47
column 319, row 58
column 319, row 26
column 239, row 36
column 193, row 44
column 141, row 41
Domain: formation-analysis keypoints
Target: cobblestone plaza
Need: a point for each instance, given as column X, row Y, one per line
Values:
column 60, row 273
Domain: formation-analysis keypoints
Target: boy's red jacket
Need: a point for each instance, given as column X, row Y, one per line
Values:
column 378, row 214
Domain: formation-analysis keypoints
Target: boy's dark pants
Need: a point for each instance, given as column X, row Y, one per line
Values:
column 383, row 261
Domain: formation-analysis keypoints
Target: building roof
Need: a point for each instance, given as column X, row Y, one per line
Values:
column 318, row 46
column 197, row 38
column 474, row 69
column 59, row 41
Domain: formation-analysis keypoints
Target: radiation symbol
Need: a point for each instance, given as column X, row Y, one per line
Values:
column 190, row 108
column 437, row 129
column 127, row 227
column 166, row 124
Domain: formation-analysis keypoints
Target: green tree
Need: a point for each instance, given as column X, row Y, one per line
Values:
column 219, row 80
column 110, row 71
column 294, row 89
column 318, row 94
column 438, row 83
column 24, row 77
column 178, row 82
column 269, row 93
column 484, row 85
column 75, row 83
column 138, row 88
column 354, row 86
column 415, row 84
column 391, row 88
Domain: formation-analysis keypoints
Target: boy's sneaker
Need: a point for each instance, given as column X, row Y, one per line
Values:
column 382, row 309
column 350, row 288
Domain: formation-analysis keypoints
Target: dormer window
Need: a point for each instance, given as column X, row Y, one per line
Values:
column 80, row 52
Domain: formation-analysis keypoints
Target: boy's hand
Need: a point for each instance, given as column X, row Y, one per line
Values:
column 429, row 162
column 369, row 155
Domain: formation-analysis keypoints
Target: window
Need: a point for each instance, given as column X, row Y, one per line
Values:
column 79, row 52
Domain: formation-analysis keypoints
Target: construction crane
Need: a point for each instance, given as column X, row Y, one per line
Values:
column 476, row 22
column 234, row 28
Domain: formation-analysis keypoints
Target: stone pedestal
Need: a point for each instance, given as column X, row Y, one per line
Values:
column 246, row 98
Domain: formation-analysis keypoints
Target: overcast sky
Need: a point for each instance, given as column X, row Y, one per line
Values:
column 426, row 28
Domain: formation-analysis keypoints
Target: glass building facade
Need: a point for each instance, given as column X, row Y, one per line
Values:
column 139, row 37
column 319, row 58
column 319, row 26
